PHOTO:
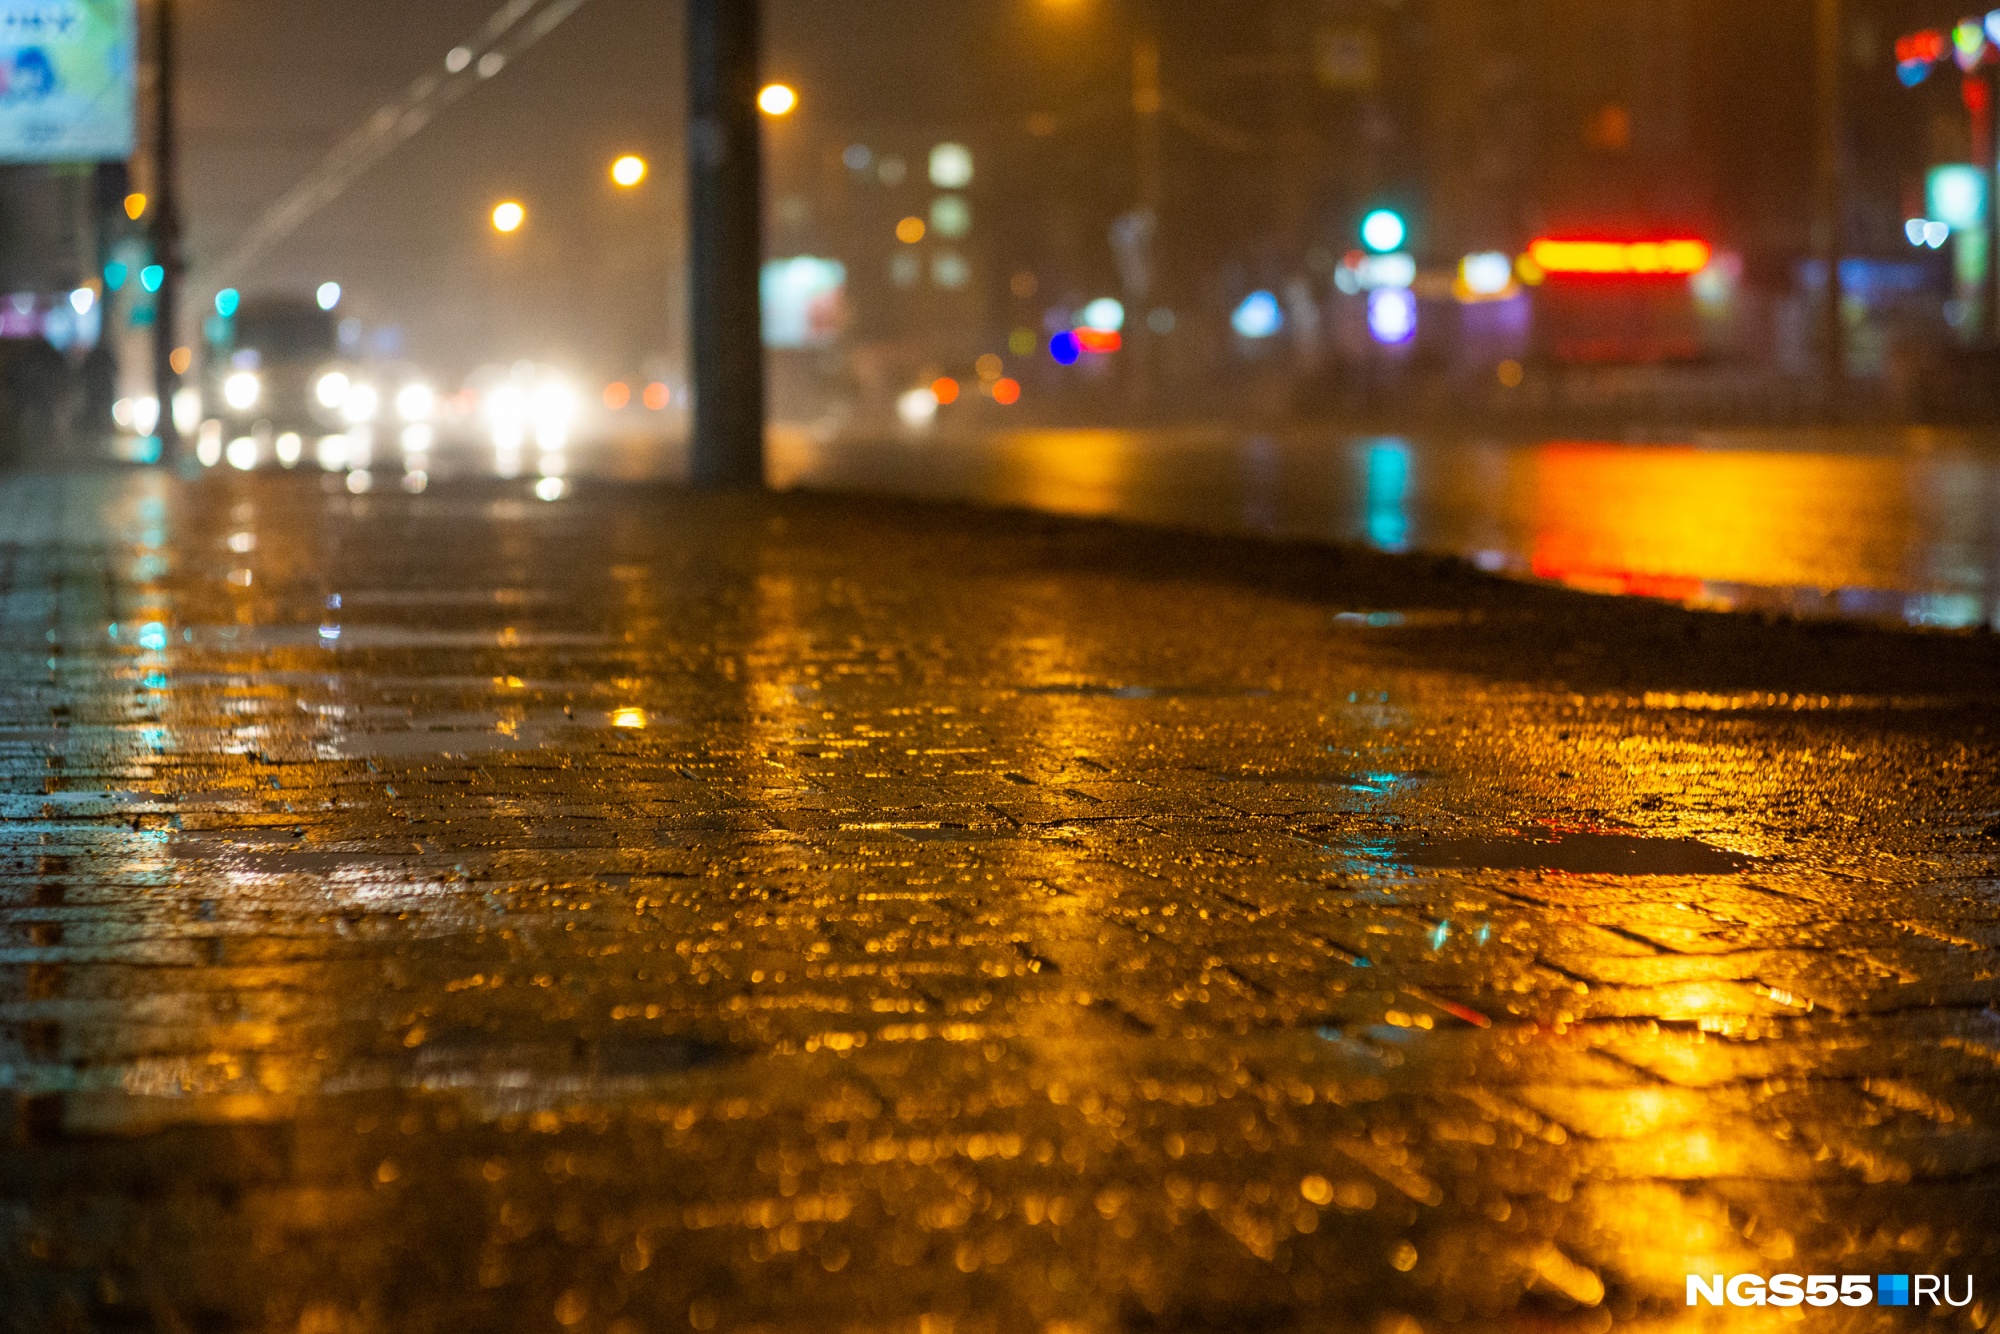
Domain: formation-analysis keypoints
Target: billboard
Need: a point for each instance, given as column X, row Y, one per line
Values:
column 68, row 73
column 805, row 302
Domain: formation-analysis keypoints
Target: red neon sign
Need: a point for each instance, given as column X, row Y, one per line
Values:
column 1677, row 258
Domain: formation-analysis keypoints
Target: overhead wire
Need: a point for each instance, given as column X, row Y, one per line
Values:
column 509, row 33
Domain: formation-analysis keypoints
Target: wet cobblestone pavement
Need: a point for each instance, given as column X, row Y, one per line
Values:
column 651, row 913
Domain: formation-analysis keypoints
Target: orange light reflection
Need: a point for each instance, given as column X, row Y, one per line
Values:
column 1666, row 521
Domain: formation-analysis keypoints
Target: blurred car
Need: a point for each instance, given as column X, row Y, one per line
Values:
column 268, row 367
column 276, row 378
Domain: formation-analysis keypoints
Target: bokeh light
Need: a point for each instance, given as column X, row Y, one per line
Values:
column 1383, row 231
column 1259, row 316
column 951, row 166
column 1392, row 315
column 1106, row 315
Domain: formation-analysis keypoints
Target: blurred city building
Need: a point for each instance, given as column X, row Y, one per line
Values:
column 1095, row 210
column 1211, row 169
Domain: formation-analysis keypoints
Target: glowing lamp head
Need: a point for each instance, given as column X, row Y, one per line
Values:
column 508, row 217
column 328, row 295
column 628, row 171
column 1384, row 230
column 777, row 99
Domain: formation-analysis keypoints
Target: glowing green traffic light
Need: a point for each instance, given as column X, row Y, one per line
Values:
column 1384, row 231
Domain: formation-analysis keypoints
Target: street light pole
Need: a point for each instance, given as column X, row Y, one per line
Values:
column 166, row 234
column 726, row 215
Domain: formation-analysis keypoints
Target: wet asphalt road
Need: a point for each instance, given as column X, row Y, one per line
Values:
column 651, row 913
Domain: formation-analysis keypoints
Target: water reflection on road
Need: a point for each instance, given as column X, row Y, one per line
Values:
column 1900, row 525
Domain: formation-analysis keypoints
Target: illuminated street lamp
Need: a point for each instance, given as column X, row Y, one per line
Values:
column 508, row 217
column 628, row 171
column 778, row 99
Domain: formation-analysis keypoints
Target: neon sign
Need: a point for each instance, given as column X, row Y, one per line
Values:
column 1675, row 258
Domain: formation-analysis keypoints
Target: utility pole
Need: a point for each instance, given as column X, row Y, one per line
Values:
column 166, row 236
column 1830, row 31
column 726, row 249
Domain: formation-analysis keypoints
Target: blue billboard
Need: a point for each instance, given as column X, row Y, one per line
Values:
column 68, row 79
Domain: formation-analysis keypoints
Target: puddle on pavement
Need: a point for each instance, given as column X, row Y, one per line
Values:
column 1095, row 691
column 1407, row 620
column 1574, row 854
column 482, row 733
column 1379, row 784
column 333, row 636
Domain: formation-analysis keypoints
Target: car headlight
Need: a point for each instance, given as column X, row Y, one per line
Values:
column 362, row 404
column 331, row 390
column 415, row 402
column 242, row 390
